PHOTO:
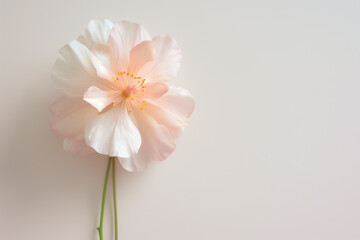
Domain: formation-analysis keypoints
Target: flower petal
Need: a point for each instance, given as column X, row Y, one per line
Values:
column 166, row 62
column 113, row 133
column 97, row 98
column 179, row 100
column 157, row 143
column 124, row 36
column 160, row 124
column 155, row 90
column 70, row 116
column 172, row 110
column 78, row 147
column 98, row 31
column 73, row 71
column 102, row 56
column 142, row 53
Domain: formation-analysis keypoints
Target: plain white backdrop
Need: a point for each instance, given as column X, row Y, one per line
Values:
column 272, row 152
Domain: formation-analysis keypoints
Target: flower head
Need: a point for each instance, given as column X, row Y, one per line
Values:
column 116, row 101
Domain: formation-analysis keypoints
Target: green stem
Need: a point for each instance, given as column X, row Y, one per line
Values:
column 100, row 228
column 114, row 195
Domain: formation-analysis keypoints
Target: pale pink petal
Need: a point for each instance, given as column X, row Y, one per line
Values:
column 98, row 98
column 124, row 36
column 70, row 116
column 160, row 124
column 157, row 143
column 155, row 90
column 179, row 100
column 98, row 31
column 103, row 59
column 166, row 62
column 142, row 53
column 172, row 110
column 78, row 147
column 73, row 71
column 113, row 133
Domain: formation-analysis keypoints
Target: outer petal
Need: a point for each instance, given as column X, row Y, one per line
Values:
column 113, row 133
column 103, row 59
column 97, row 98
column 172, row 110
column 166, row 62
column 157, row 143
column 98, row 31
column 70, row 116
column 178, row 100
column 124, row 36
column 78, row 147
column 73, row 71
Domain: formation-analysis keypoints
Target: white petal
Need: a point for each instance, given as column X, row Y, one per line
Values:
column 166, row 62
column 73, row 71
column 78, row 147
column 157, row 143
column 97, row 98
column 103, row 59
column 124, row 36
column 113, row 133
column 70, row 116
column 98, row 31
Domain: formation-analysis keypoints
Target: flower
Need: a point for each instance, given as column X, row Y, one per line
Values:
column 116, row 101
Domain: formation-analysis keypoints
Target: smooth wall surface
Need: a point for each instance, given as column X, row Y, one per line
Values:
column 273, row 149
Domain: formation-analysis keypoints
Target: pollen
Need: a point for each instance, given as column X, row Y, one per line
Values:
column 129, row 90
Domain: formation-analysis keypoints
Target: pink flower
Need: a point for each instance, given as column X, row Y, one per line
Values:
column 116, row 101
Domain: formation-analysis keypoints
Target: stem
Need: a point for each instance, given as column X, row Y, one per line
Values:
column 100, row 228
column 114, row 195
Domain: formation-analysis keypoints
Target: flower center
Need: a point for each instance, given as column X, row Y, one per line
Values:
column 129, row 90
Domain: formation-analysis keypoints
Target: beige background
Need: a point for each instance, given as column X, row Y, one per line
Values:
column 273, row 149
